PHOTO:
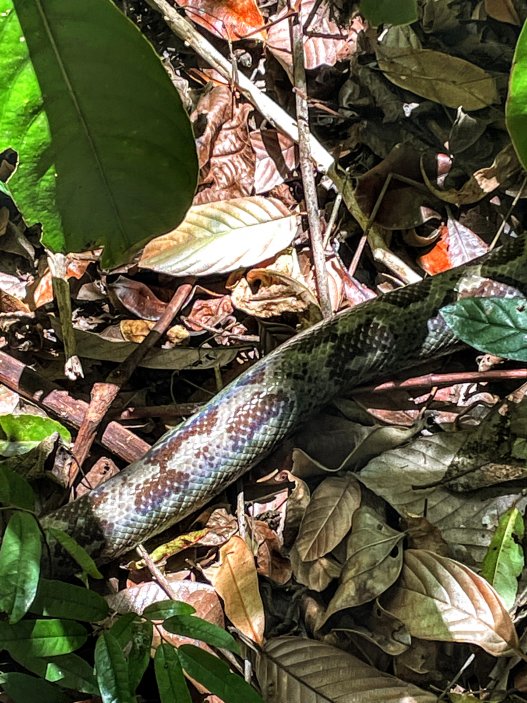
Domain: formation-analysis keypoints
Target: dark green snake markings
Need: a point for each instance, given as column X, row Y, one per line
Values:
column 194, row 462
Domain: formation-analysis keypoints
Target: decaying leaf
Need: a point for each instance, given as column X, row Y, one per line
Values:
column 227, row 19
column 374, row 561
column 440, row 599
column 317, row 574
column 297, row 670
column 440, row 77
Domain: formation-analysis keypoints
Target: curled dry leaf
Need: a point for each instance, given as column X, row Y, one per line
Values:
column 276, row 158
column 222, row 236
column 328, row 517
column 136, row 297
column 324, row 41
column 227, row 19
column 136, row 330
column 374, row 562
column 440, row 599
column 236, row 581
column 440, row 77
column 297, row 670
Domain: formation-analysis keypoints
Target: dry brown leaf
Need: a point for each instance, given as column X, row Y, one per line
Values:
column 439, row 77
column 317, row 574
column 503, row 11
column 236, row 581
column 137, row 298
column 441, row 599
column 227, row 19
column 328, row 517
column 276, row 158
column 324, row 41
column 298, row 670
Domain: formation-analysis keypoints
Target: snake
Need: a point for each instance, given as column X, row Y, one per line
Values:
column 193, row 463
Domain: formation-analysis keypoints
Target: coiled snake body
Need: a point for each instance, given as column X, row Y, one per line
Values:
column 192, row 463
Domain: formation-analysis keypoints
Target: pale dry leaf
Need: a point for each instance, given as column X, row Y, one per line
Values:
column 441, row 599
column 374, row 562
column 440, row 77
column 276, row 158
column 236, row 581
column 317, row 574
column 222, row 236
column 328, row 517
column 298, row 670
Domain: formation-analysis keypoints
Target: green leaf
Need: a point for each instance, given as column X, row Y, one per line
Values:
column 123, row 628
column 22, row 688
column 64, row 600
column 492, row 325
column 15, row 490
column 516, row 106
column 77, row 553
column 19, row 565
column 42, row 638
column 166, row 609
column 111, row 669
column 504, row 560
column 199, row 629
column 215, row 676
column 169, row 676
column 389, row 11
column 21, row 433
column 139, row 654
column 67, row 670
column 106, row 151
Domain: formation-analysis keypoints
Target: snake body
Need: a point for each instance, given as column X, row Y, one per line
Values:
column 192, row 463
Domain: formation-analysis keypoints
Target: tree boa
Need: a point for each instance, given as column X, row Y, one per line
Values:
column 191, row 464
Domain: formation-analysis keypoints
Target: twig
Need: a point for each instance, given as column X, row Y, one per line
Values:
column 437, row 379
column 306, row 158
column 27, row 383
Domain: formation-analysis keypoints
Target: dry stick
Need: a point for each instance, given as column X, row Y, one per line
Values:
column 306, row 168
column 103, row 394
column 437, row 379
column 26, row 382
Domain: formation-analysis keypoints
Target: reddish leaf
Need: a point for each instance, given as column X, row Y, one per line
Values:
column 227, row 19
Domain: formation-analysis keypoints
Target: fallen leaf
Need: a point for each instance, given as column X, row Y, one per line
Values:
column 227, row 19
column 236, row 581
column 441, row 599
column 222, row 236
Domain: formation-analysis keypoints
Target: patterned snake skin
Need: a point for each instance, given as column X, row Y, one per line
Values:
column 192, row 463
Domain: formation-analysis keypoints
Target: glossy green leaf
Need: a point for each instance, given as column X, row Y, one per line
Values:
column 166, row 609
column 516, row 106
column 21, row 433
column 492, row 325
column 22, row 688
column 19, row 565
column 15, row 490
column 77, row 553
column 215, row 676
column 57, row 599
column 171, row 682
column 111, row 669
column 106, row 151
column 139, row 653
column 389, row 11
column 42, row 638
column 504, row 560
column 123, row 628
column 66, row 670
column 199, row 629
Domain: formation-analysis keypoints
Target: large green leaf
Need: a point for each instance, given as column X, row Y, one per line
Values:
column 504, row 560
column 106, row 151
column 389, row 11
column 19, row 565
column 492, row 325
column 56, row 599
column 42, row 638
column 112, row 670
column 516, row 107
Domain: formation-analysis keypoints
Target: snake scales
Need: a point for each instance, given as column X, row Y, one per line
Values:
column 192, row 463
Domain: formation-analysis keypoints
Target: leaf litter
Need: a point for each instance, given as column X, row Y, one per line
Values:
column 379, row 570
